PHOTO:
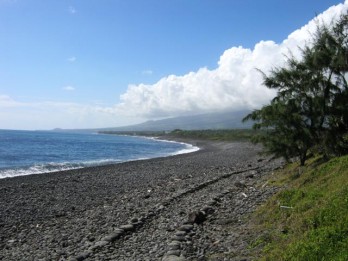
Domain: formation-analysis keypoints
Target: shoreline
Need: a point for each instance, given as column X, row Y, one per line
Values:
column 61, row 215
column 25, row 171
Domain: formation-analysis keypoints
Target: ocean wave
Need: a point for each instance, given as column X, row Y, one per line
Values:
column 52, row 167
column 189, row 149
column 55, row 167
column 37, row 169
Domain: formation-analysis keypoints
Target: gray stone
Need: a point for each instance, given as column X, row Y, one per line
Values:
column 128, row 227
column 134, row 220
column 174, row 253
column 173, row 258
column 186, row 227
column 197, row 217
column 180, row 233
column 83, row 256
column 174, row 245
column 112, row 237
column 179, row 238
column 99, row 244
column 240, row 184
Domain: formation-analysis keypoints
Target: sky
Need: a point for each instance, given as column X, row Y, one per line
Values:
column 108, row 63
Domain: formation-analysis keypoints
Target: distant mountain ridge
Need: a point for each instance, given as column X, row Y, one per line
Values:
column 222, row 120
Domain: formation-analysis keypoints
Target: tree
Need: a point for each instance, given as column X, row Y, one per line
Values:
column 309, row 111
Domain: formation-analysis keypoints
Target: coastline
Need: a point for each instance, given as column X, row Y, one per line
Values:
column 52, row 167
column 68, row 215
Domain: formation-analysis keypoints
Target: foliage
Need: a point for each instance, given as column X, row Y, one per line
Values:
column 309, row 111
column 222, row 135
column 315, row 224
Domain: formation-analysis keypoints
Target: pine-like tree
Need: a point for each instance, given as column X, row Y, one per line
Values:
column 310, row 110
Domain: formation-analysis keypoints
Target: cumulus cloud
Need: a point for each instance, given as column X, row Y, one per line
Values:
column 69, row 88
column 235, row 84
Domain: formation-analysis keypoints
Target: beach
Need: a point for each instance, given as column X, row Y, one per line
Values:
column 184, row 207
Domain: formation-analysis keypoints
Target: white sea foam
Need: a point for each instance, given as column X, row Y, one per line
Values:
column 54, row 167
column 36, row 169
column 189, row 147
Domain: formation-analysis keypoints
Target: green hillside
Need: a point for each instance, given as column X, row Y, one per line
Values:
column 308, row 220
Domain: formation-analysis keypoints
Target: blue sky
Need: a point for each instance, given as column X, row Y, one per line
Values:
column 85, row 64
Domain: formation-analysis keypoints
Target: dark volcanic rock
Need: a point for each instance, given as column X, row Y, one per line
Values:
column 77, row 214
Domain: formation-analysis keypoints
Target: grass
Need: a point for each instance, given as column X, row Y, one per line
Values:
column 309, row 219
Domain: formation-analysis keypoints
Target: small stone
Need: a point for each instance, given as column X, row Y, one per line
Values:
column 173, row 258
column 212, row 203
column 174, row 245
column 180, row 233
column 128, row 227
column 83, row 256
column 99, row 244
column 134, row 220
column 186, row 228
column 174, row 253
column 197, row 217
column 179, row 238
column 208, row 209
column 240, row 184
column 112, row 237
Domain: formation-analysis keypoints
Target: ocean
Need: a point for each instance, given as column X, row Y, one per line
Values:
column 35, row 152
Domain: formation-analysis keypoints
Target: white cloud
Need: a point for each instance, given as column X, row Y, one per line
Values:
column 235, row 84
column 16, row 114
column 69, row 88
column 72, row 10
column 7, row 102
column 72, row 59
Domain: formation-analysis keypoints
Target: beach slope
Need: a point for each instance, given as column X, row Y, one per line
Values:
column 173, row 208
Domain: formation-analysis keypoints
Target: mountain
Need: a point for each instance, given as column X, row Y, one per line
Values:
column 222, row 120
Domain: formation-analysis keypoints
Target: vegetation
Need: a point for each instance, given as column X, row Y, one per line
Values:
column 309, row 112
column 219, row 135
column 309, row 219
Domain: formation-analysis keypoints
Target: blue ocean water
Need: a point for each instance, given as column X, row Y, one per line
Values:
column 34, row 152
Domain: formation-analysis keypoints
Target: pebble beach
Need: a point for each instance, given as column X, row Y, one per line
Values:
column 184, row 207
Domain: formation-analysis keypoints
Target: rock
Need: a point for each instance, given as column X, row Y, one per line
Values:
column 179, row 238
column 240, row 184
column 180, row 233
column 208, row 209
column 134, row 220
column 197, row 217
column 173, row 258
column 186, row 227
column 174, row 253
column 99, row 244
column 83, row 256
column 174, row 245
column 128, row 227
column 113, row 236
